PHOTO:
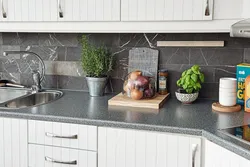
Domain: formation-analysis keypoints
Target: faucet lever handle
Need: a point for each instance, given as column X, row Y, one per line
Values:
column 36, row 78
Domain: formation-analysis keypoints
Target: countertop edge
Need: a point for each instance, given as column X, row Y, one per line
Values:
column 116, row 124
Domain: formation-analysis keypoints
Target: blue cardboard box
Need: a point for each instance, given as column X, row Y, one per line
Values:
column 243, row 70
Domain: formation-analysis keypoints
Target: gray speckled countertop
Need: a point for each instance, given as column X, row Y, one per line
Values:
column 196, row 119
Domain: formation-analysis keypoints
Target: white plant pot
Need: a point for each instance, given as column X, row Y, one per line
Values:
column 187, row 98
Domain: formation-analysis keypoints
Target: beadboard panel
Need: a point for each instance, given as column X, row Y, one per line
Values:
column 133, row 148
column 86, row 135
column 13, row 143
column 90, row 10
column 37, row 154
column 48, row 10
column 29, row 10
column 217, row 156
column 165, row 10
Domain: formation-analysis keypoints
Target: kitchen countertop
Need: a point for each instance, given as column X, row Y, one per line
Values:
column 196, row 119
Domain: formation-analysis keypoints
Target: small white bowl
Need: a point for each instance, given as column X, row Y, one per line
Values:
column 228, row 82
column 186, row 98
column 227, row 90
column 227, row 101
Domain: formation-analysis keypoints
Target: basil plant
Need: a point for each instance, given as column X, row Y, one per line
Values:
column 191, row 80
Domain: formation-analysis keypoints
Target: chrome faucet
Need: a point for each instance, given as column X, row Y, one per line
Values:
column 37, row 76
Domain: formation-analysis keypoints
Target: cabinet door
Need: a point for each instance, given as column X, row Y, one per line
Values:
column 165, row 10
column 89, row 10
column 47, row 156
column 133, row 148
column 217, row 156
column 28, row 10
column 13, row 143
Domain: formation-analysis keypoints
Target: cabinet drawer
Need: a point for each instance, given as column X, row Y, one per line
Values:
column 48, row 156
column 63, row 135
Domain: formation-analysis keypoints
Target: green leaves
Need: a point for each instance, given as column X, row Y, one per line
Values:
column 196, row 69
column 96, row 61
column 194, row 77
column 191, row 79
column 184, row 73
column 202, row 78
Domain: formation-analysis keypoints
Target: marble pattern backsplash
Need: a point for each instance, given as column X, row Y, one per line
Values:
column 62, row 53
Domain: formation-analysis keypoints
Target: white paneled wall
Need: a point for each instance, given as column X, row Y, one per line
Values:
column 217, row 156
column 90, row 10
column 161, row 10
column 29, row 10
column 62, row 156
column 48, row 10
column 133, row 148
column 13, row 143
column 86, row 135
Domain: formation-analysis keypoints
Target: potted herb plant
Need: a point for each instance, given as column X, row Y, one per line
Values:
column 96, row 62
column 189, row 85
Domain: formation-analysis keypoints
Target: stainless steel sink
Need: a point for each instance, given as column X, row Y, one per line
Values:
column 7, row 93
column 33, row 99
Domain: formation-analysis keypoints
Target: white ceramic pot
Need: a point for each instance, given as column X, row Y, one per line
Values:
column 228, row 83
column 227, row 100
column 226, row 94
column 186, row 98
column 228, row 90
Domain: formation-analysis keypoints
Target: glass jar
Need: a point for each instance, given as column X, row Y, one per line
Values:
column 139, row 85
column 163, row 82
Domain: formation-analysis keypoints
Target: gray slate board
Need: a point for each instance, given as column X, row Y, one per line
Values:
column 144, row 59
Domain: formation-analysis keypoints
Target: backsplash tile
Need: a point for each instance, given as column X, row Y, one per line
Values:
column 62, row 53
column 57, row 39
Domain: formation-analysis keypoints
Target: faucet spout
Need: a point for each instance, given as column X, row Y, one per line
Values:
column 38, row 77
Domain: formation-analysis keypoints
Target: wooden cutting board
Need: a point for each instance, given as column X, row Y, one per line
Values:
column 122, row 100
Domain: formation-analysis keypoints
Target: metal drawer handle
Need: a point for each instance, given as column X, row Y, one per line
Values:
column 207, row 12
column 64, row 137
column 194, row 150
column 3, row 10
column 60, row 9
column 60, row 162
column 244, row 31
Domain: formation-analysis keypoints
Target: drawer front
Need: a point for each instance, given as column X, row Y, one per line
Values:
column 48, row 156
column 63, row 135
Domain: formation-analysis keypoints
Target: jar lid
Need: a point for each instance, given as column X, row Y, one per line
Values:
column 163, row 70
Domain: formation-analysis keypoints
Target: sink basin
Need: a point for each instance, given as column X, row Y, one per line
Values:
column 7, row 94
column 33, row 99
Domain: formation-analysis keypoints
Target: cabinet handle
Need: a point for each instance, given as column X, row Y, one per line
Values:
column 60, row 9
column 3, row 10
column 64, row 137
column 194, row 150
column 60, row 162
column 244, row 31
column 207, row 12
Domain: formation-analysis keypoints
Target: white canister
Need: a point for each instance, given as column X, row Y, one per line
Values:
column 227, row 91
column 228, row 83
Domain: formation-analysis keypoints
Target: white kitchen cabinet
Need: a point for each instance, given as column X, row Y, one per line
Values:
column 89, row 10
column 134, row 148
column 47, row 156
column 13, row 143
column 121, row 16
column 63, row 135
column 165, row 10
column 217, row 156
column 28, row 10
